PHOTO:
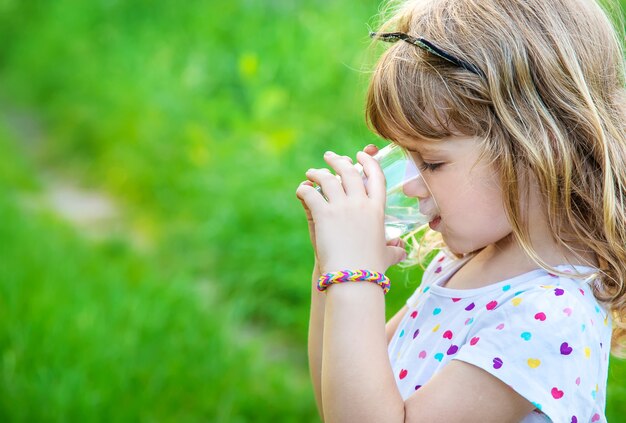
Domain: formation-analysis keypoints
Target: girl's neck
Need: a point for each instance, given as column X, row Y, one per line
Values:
column 509, row 253
column 505, row 260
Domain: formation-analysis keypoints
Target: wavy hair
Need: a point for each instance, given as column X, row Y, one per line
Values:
column 549, row 103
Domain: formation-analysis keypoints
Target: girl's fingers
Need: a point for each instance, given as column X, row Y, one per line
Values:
column 306, row 208
column 395, row 255
column 376, row 189
column 371, row 149
column 311, row 199
column 330, row 185
column 351, row 179
column 396, row 242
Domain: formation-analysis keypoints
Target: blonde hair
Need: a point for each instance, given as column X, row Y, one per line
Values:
column 551, row 101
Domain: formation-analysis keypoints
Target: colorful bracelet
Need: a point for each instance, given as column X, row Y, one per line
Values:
column 330, row 278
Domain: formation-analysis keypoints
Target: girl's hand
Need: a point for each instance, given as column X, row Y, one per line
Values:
column 370, row 149
column 348, row 229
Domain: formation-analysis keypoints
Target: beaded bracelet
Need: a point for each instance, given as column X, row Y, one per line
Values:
column 360, row 275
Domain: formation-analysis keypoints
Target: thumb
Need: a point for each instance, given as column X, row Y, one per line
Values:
column 395, row 255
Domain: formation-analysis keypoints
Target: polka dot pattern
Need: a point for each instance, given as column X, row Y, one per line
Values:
column 543, row 335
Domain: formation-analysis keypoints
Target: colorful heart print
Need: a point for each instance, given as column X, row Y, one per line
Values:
column 533, row 363
column 453, row 349
column 556, row 393
column 566, row 349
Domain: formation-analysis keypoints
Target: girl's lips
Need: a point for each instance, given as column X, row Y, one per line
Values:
column 434, row 223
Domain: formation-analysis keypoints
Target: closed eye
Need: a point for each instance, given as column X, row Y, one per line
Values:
column 420, row 163
column 429, row 166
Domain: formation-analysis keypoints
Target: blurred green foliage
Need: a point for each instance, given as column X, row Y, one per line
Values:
column 199, row 120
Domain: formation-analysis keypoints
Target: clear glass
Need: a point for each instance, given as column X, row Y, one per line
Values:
column 402, row 211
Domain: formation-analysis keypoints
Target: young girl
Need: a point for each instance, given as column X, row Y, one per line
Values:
column 515, row 111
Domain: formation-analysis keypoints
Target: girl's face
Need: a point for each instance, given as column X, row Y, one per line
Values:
column 466, row 191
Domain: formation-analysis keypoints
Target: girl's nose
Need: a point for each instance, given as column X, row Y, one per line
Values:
column 416, row 187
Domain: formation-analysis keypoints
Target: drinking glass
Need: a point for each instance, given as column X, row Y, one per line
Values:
column 402, row 212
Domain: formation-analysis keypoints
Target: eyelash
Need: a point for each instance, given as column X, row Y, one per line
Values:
column 429, row 166
column 424, row 166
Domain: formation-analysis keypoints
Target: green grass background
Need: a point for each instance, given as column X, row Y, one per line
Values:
column 198, row 119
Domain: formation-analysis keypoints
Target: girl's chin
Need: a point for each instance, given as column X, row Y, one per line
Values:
column 460, row 249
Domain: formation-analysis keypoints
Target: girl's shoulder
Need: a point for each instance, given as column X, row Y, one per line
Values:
column 572, row 281
column 555, row 299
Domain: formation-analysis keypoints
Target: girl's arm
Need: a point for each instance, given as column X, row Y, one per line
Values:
column 357, row 381
column 356, row 376
column 316, row 332
column 316, row 318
